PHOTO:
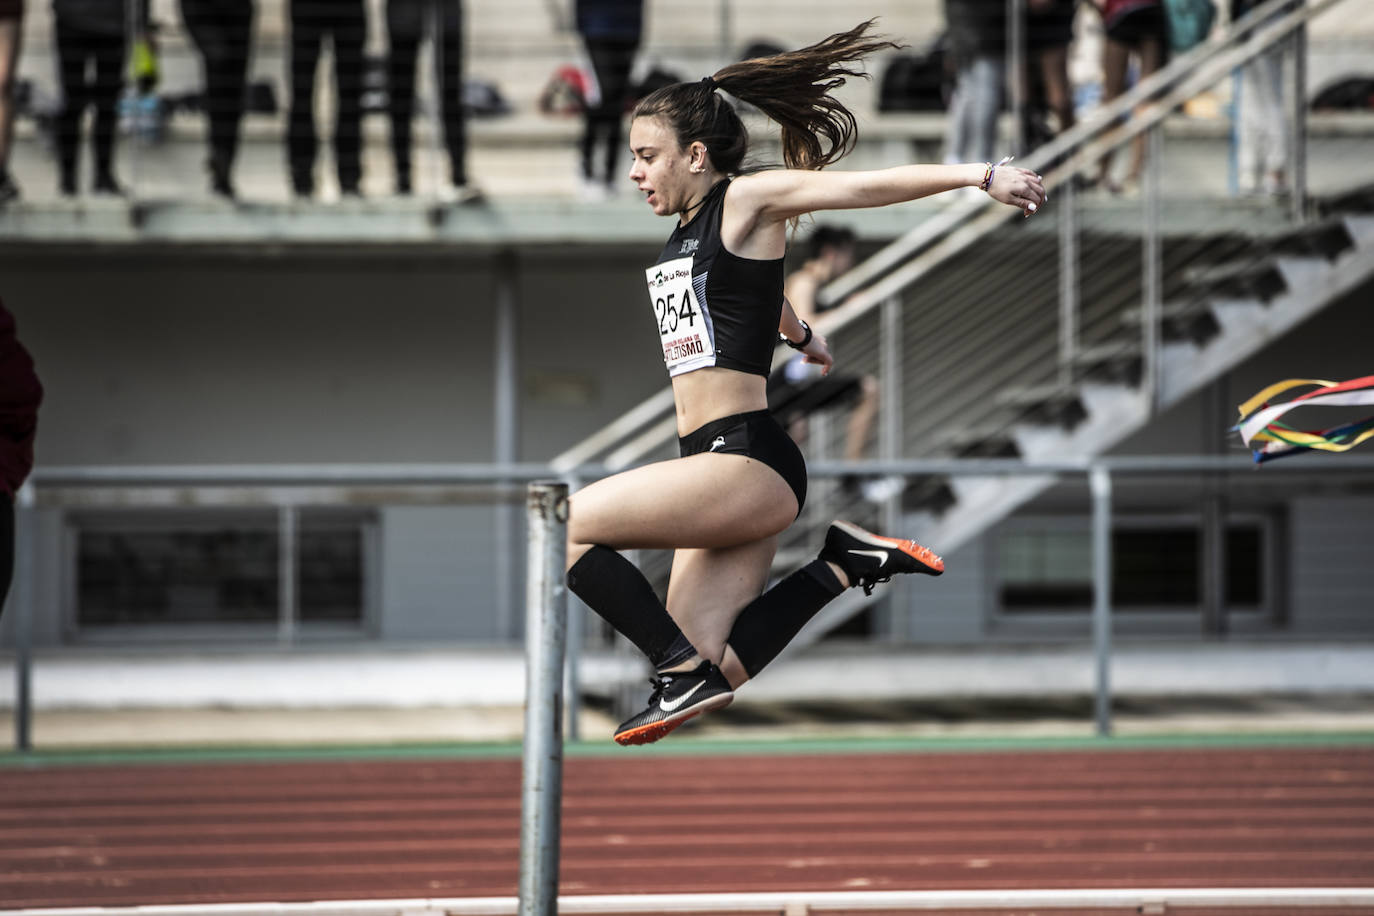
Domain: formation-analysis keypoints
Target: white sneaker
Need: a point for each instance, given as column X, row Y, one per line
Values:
column 882, row 489
column 593, row 192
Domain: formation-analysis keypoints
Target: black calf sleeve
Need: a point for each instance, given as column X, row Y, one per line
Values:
column 769, row 622
column 615, row 589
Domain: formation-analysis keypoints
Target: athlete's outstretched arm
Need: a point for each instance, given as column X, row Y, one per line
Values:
column 817, row 350
column 782, row 194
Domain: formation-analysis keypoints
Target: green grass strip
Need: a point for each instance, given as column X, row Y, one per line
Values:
column 688, row 746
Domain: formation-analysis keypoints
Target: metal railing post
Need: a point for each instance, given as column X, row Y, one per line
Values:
column 1067, row 209
column 545, row 635
column 26, row 574
column 287, row 574
column 572, row 671
column 1153, row 270
column 434, row 114
column 890, row 433
column 506, row 431
column 1297, row 160
column 133, row 143
column 1100, row 485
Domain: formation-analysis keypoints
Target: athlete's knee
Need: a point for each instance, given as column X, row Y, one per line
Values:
column 578, row 539
column 575, row 550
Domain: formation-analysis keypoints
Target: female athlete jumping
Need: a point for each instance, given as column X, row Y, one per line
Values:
column 716, row 291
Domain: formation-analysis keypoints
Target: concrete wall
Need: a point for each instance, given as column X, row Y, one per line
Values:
column 368, row 356
column 337, row 357
column 1332, row 542
column 152, row 360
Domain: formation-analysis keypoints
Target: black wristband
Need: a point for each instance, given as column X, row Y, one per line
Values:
column 800, row 344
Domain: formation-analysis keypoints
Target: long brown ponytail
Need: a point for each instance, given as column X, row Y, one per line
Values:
column 793, row 88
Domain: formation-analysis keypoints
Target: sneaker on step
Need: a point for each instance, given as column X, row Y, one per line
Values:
column 9, row 191
column 869, row 558
column 677, row 697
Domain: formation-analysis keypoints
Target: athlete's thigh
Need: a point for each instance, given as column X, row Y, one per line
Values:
column 710, row 586
column 699, row 501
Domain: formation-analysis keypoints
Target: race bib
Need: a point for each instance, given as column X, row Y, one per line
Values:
column 683, row 327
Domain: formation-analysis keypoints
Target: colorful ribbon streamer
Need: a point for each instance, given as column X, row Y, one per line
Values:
column 1268, row 438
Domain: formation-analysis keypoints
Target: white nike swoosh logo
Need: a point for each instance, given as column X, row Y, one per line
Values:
column 879, row 555
column 669, row 707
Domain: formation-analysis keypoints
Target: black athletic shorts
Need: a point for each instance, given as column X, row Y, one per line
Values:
column 755, row 435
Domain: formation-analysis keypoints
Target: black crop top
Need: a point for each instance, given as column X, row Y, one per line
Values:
column 714, row 308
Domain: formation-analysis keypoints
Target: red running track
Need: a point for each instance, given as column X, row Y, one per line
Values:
column 637, row 823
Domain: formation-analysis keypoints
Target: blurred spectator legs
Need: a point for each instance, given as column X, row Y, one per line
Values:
column 1140, row 32
column 77, row 49
column 1262, row 151
column 1049, row 35
column 612, row 60
column 974, row 109
column 345, row 23
column 222, row 31
column 405, row 25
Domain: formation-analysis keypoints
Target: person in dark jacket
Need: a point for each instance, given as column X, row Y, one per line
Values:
column 611, row 30
column 223, row 32
column 91, row 34
column 20, row 395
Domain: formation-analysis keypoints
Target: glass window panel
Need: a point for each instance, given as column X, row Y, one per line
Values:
column 1155, row 568
column 161, row 568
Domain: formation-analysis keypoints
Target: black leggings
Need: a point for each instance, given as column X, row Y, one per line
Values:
column 405, row 21
column 77, row 49
column 345, row 22
column 612, row 60
column 222, row 31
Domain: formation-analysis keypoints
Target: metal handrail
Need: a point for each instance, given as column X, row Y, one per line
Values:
column 1099, row 472
column 1178, row 81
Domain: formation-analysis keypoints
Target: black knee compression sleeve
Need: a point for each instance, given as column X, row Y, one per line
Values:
column 769, row 622
column 615, row 589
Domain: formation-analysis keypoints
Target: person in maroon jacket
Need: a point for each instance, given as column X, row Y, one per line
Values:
column 20, row 395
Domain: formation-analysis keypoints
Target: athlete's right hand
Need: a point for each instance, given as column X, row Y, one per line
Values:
column 1018, row 187
column 817, row 352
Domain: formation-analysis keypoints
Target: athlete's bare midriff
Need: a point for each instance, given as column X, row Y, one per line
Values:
column 711, row 393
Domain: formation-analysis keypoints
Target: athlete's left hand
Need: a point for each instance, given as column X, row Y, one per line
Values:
column 1018, row 187
column 817, row 352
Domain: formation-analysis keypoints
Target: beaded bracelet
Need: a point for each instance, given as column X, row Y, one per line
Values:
column 986, row 183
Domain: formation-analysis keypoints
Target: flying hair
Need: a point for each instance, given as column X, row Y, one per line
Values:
column 794, row 89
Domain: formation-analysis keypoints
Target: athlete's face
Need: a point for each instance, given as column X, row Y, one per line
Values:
column 661, row 168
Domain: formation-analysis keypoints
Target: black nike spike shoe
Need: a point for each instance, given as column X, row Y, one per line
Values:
column 869, row 558
column 677, row 697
